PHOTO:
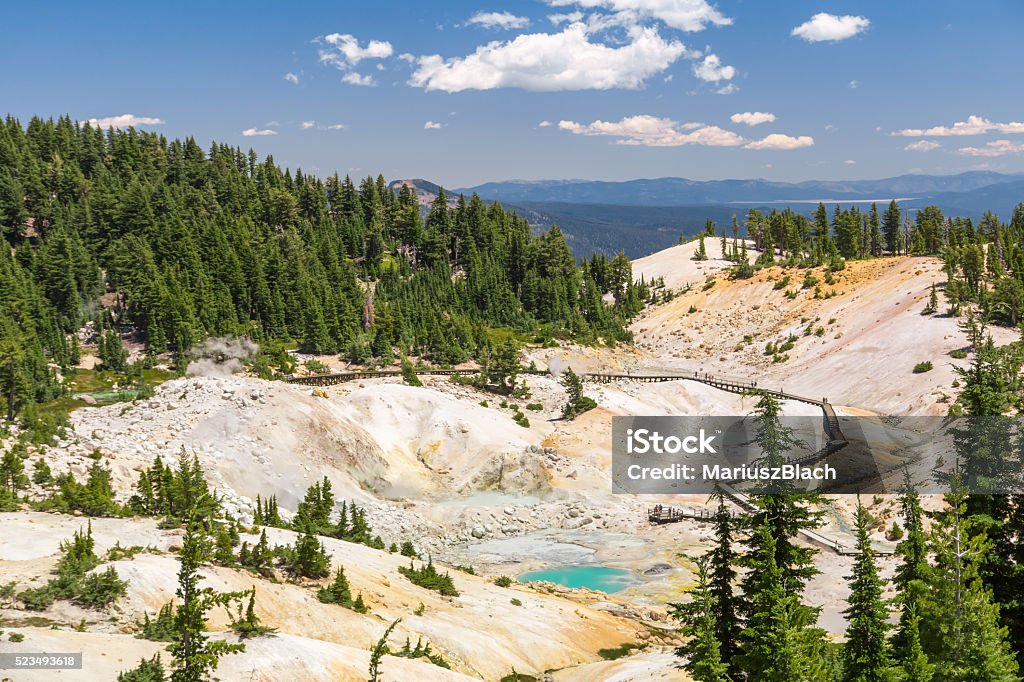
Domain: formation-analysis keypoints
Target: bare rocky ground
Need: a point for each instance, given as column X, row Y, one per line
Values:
column 446, row 466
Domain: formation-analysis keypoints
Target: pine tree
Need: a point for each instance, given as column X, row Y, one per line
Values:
column 961, row 634
column 911, row 572
column 773, row 642
column 701, row 253
column 310, row 558
column 195, row 655
column 866, row 651
column 576, row 402
column 701, row 652
column 913, row 663
column 721, row 563
column 891, row 227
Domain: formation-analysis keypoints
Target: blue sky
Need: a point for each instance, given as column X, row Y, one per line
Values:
column 464, row 92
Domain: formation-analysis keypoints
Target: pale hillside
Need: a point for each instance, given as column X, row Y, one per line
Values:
column 482, row 633
column 858, row 347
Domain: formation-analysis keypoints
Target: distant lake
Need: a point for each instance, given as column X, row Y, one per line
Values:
column 601, row 578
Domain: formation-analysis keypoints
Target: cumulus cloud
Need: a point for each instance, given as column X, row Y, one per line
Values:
column 780, row 141
column 306, row 125
column 433, row 125
column 752, row 118
column 544, row 124
column 353, row 78
column 344, row 50
column 830, row 27
column 256, row 132
column 728, row 89
column 974, row 125
column 922, row 146
column 685, row 15
column 994, row 148
column 124, row 121
column 712, row 70
column 651, row 131
column 567, row 60
column 502, row 20
column 291, row 78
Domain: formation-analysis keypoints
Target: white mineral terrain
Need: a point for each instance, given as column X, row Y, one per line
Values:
column 444, row 465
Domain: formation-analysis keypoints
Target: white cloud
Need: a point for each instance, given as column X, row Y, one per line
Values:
column 685, row 15
column 291, row 78
column 852, row 85
column 336, row 126
column 830, row 27
column 994, row 148
column 712, row 70
column 306, row 125
column 922, row 146
column 830, row 127
column 779, row 141
column 570, row 18
column 251, row 132
column 124, row 121
column 752, row 118
column 974, row 125
column 728, row 89
column 567, row 60
column 345, row 51
column 650, row 131
column 849, row 162
column 544, row 124
column 502, row 20
column 433, row 125
column 353, row 78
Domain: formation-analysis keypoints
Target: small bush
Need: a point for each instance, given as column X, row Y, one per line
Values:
column 922, row 367
column 503, row 581
column 536, row 407
column 781, row 284
column 427, row 576
column 895, row 533
column 958, row 354
column 515, row 602
column 621, row 651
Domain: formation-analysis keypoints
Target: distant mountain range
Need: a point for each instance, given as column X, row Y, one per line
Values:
column 683, row 192
column 643, row 216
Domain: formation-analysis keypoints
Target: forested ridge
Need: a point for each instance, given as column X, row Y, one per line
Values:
column 183, row 243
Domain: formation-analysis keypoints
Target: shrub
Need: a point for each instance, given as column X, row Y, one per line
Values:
column 160, row 629
column 503, row 581
column 98, row 590
column 958, row 354
column 515, row 602
column 535, row 407
column 922, row 367
column 428, row 577
column 16, row 637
